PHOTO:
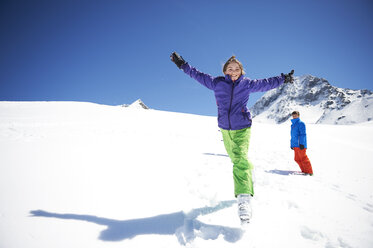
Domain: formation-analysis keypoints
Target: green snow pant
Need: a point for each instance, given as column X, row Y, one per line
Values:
column 236, row 143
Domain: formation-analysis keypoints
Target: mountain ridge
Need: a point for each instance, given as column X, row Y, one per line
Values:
column 318, row 101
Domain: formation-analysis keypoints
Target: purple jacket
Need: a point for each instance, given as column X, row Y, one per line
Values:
column 231, row 97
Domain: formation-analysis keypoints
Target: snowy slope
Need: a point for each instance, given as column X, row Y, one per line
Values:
column 317, row 101
column 78, row 175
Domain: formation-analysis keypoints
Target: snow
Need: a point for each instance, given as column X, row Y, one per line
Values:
column 353, row 113
column 76, row 174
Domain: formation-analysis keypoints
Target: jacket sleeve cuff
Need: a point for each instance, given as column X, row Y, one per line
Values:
column 184, row 66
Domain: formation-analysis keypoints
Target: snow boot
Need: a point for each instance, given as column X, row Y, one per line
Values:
column 244, row 208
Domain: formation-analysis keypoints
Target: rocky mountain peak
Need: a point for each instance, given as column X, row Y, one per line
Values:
column 319, row 101
column 136, row 104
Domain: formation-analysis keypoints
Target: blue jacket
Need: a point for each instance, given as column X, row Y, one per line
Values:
column 298, row 133
column 232, row 97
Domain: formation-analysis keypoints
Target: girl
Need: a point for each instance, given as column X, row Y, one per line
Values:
column 232, row 94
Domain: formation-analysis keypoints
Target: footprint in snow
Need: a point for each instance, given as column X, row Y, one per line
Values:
column 336, row 187
column 310, row 234
column 352, row 197
column 292, row 204
column 368, row 207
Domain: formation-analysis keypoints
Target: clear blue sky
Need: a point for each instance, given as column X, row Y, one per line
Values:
column 115, row 51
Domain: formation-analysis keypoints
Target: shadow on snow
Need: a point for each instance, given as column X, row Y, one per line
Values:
column 186, row 227
column 285, row 172
column 215, row 154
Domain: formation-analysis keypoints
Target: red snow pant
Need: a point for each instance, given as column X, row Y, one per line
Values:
column 302, row 160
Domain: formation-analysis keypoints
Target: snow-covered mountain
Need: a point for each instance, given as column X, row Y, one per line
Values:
column 76, row 175
column 318, row 102
column 136, row 104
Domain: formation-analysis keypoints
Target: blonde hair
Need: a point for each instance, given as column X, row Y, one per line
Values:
column 233, row 60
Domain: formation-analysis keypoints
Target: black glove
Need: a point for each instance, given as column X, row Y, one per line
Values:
column 301, row 147
column 288, row 77
column 177, row 59
column 291, row 148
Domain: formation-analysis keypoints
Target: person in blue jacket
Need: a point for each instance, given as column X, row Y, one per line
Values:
column 232, row 93
column 298, row 143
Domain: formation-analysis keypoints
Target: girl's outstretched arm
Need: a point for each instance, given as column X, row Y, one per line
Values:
column 203, row 78
column 260, row 85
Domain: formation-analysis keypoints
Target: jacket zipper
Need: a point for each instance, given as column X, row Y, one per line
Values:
column 230, row 107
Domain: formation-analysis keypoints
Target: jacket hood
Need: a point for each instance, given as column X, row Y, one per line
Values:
column 294, row 120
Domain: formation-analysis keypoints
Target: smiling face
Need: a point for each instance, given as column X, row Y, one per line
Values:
column 233, row 70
